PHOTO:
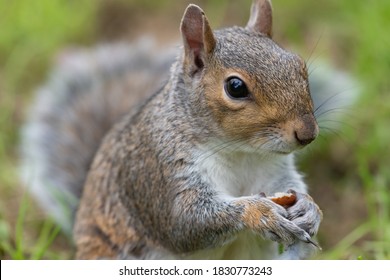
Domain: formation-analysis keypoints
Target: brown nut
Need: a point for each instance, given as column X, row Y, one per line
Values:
column 284, row 199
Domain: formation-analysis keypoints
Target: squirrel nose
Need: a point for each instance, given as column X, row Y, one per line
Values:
column 304, row 139
column 307, row 131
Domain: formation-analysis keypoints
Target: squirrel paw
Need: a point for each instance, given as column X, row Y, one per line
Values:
column 273, row 223
column 305, row 213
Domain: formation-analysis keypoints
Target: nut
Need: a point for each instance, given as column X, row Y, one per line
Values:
column 284, row 199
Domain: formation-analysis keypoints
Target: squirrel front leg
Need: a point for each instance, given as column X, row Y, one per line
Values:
column 203, row 220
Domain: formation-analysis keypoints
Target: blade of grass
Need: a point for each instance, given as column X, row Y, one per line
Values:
column 46, row 237
column 19, row 228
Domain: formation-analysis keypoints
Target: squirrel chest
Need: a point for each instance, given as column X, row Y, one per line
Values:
column 243, row 174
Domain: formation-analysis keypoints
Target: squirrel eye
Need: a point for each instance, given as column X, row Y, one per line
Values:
column 236, row 88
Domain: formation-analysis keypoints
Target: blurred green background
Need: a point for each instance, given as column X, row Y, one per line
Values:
column 347, row 170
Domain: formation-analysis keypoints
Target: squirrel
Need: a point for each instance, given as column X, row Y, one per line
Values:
column 182, row 173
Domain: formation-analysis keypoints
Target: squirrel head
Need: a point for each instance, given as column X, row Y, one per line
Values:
column 252, row 90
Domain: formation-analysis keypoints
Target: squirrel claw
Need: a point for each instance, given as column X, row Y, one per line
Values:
column 315, row 244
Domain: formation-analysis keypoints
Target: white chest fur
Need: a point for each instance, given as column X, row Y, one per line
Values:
column 243, row 174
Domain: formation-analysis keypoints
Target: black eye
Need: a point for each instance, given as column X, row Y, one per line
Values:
column 236, row 88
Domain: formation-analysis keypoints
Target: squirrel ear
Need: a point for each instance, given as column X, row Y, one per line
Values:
column 198, row 38
column 261, row 17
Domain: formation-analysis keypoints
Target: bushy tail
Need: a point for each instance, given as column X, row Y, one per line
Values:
column 88, row 91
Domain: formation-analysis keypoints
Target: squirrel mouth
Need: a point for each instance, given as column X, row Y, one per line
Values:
column 284, row 149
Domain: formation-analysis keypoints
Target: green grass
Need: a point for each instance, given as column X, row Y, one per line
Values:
column 16, row 248
column 31, row 33
column 349, row 167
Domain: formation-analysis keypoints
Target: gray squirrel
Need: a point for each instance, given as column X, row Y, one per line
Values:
column 184, row 173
